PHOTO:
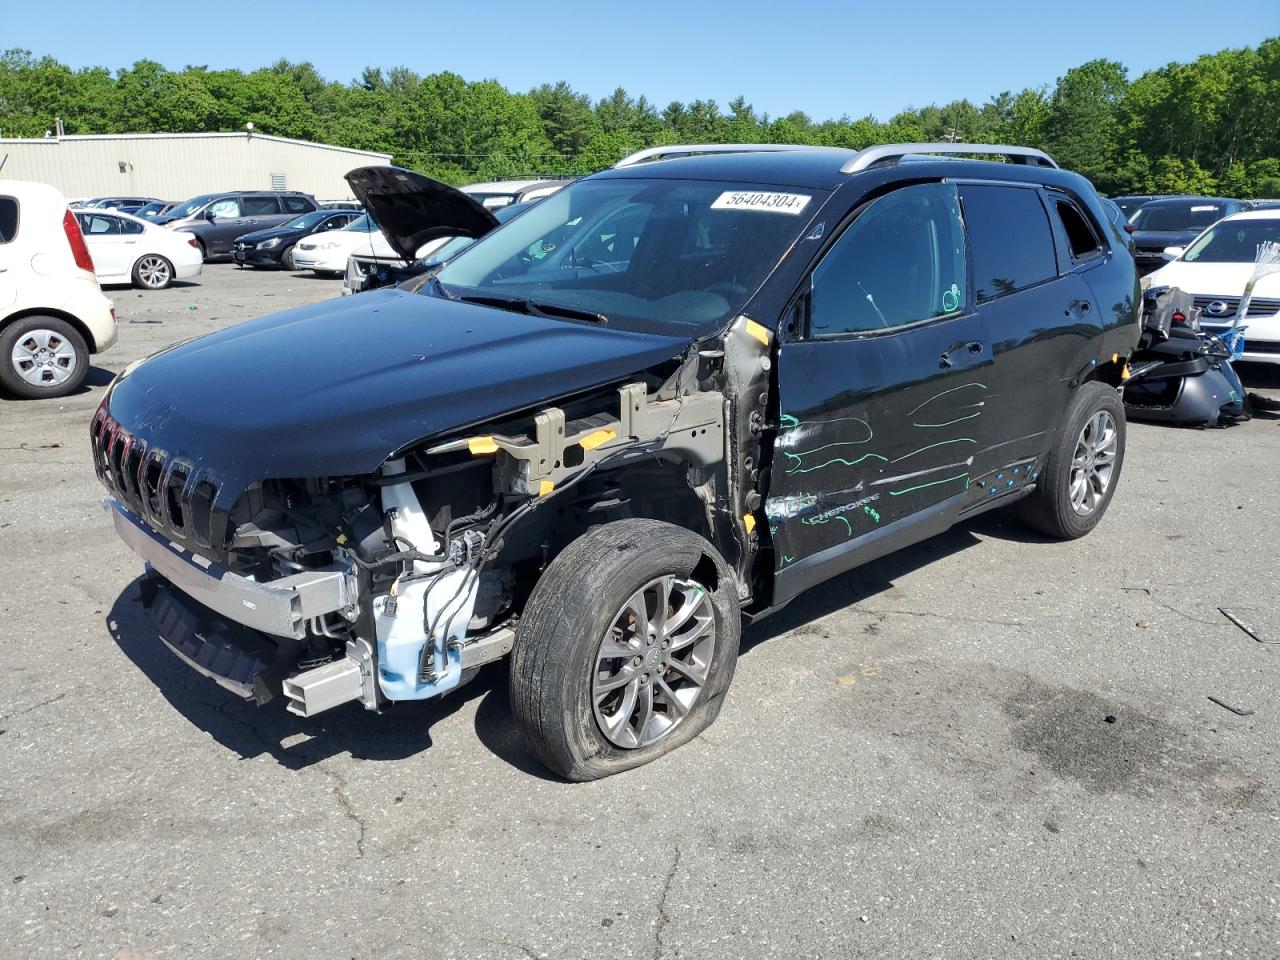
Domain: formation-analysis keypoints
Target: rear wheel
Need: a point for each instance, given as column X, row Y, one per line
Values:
column 1083, row 468
column 626, row 648
column 152, row 272
column 42, row 357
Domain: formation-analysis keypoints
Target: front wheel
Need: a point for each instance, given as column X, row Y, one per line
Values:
column 42, row 357
column 626, row 648
column 286, row 258
column 1083, row 468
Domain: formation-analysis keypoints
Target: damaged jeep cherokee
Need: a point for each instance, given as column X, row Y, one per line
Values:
column 659, row 404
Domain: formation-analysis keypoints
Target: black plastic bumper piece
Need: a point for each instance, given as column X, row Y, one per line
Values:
column 244, row 661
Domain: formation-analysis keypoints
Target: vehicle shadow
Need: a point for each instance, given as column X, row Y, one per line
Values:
column 405, row 730
column 292, row 741
column 95, row 377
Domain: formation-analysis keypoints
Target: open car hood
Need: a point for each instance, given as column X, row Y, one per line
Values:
column 412, row 210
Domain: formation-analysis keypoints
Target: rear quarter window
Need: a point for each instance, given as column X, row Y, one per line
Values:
column 8, row 219
column 1009, row 237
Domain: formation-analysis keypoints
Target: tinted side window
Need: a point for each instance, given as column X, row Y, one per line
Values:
column 8, row 219
column 258, row 206
column 97, row 225
column 129, row 226
column 1009, row 236
column 1080, row 236
column 297, row 204
column 900, row 262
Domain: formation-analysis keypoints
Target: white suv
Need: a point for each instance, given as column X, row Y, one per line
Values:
column 52, row 311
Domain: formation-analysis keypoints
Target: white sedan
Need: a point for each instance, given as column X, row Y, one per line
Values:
column 128, row 250
column 326, row 253
column 1214, row 269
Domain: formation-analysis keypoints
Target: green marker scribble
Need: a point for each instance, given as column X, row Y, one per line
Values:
column 963, row 386
column 931, row 483
column 826, row 463
column 787, row 422
column 785, row 560
column 940, row 443
column 871, row 513
column 949, row 422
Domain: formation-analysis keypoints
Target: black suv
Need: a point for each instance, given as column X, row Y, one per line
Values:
column 216, row 219
column 663, row 401
column 273, row 247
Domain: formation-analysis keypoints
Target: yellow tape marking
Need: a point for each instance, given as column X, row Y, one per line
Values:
column 545, row 487
column 479, row 445
column 593, row 440
column 749, row 521
column 760, row 333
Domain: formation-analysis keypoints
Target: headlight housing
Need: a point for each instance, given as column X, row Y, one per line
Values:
column 268, row 244
column 331, row 245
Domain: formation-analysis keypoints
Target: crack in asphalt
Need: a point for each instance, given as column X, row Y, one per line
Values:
column 950, row 617
column 344, row 802
column 661, row 919
column 35, row 706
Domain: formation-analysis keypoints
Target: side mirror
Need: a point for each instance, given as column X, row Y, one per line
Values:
column 1172, row 253
column 208, row 214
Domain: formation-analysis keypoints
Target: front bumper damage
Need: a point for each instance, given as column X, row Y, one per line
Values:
column 244, row 635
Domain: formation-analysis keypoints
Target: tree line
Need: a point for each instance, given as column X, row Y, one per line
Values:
column 1211, row 126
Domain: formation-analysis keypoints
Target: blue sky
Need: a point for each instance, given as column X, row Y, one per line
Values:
column 825, row 58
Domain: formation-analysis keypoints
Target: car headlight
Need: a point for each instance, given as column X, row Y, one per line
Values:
column 331, row 245
column 268, row 244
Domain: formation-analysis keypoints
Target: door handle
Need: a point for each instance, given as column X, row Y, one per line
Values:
column 1084, row 306
column 973, row 348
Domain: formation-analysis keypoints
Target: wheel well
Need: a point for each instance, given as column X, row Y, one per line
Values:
column 75, row 323
column 1110, row 372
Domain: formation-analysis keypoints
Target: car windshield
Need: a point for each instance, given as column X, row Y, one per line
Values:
column 1233, row 241
column 1177, row 216
column 667, row 256
column 307, row 220
column 191, row 206
column 361, row 225
column 150, row 209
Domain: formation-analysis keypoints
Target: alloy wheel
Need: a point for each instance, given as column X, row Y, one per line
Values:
column 44, row 358
column 1093, row 463
column 154, row 272
column 653, row 662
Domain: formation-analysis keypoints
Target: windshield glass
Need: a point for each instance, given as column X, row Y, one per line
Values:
column 361, row 225
column 307, row 220
column 150, row 209
column 1177, row 216
column 1234, row 241
column 191, row 206
column 667, row 256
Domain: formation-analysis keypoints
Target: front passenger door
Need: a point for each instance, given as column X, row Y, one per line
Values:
column 224, row 226
column 882, row 395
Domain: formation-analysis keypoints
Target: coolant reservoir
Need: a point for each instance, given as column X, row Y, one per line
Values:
column 445, row 596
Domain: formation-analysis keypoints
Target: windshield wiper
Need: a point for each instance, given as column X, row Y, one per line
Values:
column 536, row 308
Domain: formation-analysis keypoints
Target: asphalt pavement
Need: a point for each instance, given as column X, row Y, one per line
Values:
column 985, row 746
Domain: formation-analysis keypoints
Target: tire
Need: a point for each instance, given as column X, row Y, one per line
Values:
column 47, row 350
column 152, row 272
column 286, row 258
column 560, row 648
column 1051, row 509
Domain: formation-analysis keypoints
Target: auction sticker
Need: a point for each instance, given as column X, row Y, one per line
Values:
column 789, row 203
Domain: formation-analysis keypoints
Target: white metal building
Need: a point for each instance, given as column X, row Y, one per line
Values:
column 175, row 166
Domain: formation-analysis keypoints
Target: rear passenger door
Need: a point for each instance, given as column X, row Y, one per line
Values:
column 107, row 246
column 1039, row 320
column 259, row 213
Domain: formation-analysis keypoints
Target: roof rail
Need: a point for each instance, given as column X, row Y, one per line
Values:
column 693, row 149
column 897, row 151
